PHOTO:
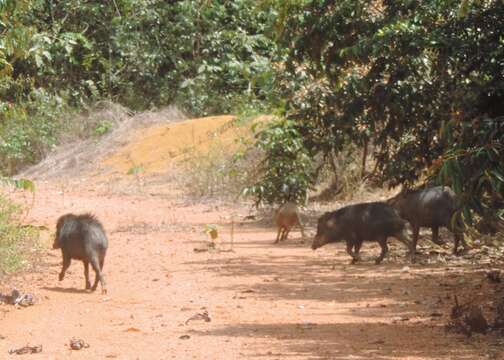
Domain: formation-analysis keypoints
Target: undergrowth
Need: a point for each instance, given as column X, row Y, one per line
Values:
column 217, row 172
column 16, row 242
column 341, row 178
column 224, row 169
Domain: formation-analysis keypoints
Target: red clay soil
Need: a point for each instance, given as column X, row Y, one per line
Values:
column 264, row 301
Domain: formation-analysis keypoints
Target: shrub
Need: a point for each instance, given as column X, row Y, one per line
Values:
column 16, row 242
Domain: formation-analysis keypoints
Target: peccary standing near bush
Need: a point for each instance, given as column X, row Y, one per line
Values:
column 287, row 217
column 433, row 207
column 355, row 223
column 82, row 237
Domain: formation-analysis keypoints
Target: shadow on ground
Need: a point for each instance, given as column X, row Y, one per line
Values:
column 394, row 310
column 67, row 290
column 343, row 341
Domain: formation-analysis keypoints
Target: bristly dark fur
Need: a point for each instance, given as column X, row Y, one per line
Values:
column 82, row 237
column 87, row 217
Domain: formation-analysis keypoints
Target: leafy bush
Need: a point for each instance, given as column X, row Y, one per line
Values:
column 286, row 169
column 207, row 57
column 420, row 81
column 29, row 129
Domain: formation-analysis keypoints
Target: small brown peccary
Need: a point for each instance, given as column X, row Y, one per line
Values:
column 286, row 218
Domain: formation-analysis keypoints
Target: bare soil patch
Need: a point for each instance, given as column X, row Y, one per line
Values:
column 263, row 300
column 167, row 301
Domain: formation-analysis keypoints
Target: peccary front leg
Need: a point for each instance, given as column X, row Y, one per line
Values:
column 285, row 234
column 416, row 232
column 355, row 255
column 357, row 247
column 66, row 263
column 280, row 232
column 403, row 237
column 384, row 250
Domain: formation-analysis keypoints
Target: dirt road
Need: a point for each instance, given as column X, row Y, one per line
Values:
column 264, row 301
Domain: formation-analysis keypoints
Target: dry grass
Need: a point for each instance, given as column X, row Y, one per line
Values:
column 216, row 173
column 83, row 149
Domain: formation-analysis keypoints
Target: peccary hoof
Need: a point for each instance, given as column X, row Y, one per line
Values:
column 460, row 252
column 356, row 258
column 104, row 291
column 61, row 277
column 378, row 261
column 475, row 320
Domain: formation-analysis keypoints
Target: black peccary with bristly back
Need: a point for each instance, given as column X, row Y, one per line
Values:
column 433, row 207
column 82, row 237
column 355, row 223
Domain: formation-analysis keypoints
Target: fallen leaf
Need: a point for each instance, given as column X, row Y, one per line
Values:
column 133, row 329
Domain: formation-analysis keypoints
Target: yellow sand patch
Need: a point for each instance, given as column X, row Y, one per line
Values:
column 155, row 148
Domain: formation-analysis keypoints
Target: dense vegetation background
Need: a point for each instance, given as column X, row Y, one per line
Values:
column 417, row 86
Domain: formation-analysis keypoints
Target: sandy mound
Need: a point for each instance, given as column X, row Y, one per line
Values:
column 154, row 149
column 151, row 142
column 79, row 157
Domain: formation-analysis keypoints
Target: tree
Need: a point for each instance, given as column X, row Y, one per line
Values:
column 422, row 80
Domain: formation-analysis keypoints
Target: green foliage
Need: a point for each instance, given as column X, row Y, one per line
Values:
column 15, row 241
column 28, row 128
column 475, row 166
column 22, row 184
column 135, row 170
column 143, row 53
column 286, row 170
column 420, row 81
column 103, row 127
column 230, row 56
column 207, row 57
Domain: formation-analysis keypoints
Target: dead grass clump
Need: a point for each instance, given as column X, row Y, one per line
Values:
column 341, row 179
column 218, row 172
column 94, row 121
column 94, row 134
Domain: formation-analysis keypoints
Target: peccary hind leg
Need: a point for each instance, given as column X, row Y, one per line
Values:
column 99, row 276
column 66, row 263
column 86, row 274
column 384, row 250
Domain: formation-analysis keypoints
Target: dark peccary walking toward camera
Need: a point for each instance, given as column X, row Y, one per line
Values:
column 82, row 237
column 431, row 207
column 355, row 223
column 287, row 216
